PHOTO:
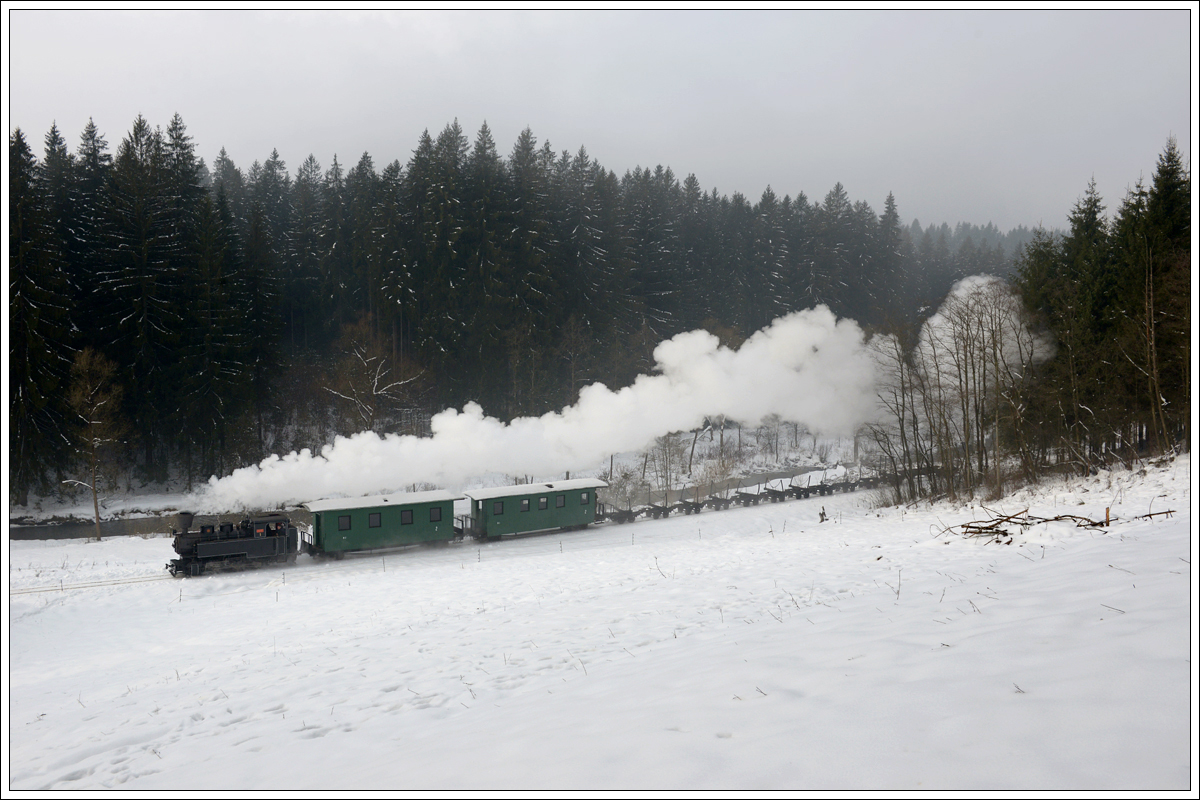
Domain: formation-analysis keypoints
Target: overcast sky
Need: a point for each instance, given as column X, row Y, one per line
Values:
column 980, row 116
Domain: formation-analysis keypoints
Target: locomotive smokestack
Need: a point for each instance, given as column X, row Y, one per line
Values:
column 185, row 520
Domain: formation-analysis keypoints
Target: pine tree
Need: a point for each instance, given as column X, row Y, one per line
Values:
column 39, row 330
column 93, row 165
column 60, row 188
column 227, row 178
column 697, row 243
column 215, row 385
column 486, row 296
column 389, row 227
column 362, row 194
column 649, row 220
column 336, row 285
column 259, row 329
column 892, row 267
column 832, row 267
column 301, row 290
column 142, row 256
column 735, row 261
column 771, row 262
column 531, row 279
column 1168, row 289
column 1151, row 237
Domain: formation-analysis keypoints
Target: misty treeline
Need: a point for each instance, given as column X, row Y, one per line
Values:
column 231, row 313
column 1080, row 359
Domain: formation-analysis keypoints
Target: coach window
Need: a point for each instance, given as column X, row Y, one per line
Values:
column 406, row 516
column 373, row 520
column 344, row 522
column 583, row 498
column 435, row 514
column 498, row 508
column 543, row 503
column 560, row 501
column 525, row 504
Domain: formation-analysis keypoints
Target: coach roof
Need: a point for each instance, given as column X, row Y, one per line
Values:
column 534, row 488
column 397, row 499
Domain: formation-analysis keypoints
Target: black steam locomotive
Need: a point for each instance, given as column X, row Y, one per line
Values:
column 256, row 540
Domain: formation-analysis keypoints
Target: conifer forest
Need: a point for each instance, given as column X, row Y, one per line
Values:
column 174, row 319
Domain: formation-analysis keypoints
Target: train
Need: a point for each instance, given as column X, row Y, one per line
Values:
column 350, row 525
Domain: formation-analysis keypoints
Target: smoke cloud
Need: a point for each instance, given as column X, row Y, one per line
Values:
column 807, row 367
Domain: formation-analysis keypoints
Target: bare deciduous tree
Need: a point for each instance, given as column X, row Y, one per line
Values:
column 373, row 388
column 96, row 401
column 948, row 402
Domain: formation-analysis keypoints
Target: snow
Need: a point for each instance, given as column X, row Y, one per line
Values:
column 488, row 493
column 397, row 498
column 747, row 649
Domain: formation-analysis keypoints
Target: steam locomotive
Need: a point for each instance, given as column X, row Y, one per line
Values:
column 255, row 540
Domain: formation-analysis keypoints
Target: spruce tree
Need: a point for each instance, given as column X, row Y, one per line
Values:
column 39, row 330
column 336, row 285
column 93, row 165
column 301, row 290
column 142, row 257
column 891, row 265
column 214, row 386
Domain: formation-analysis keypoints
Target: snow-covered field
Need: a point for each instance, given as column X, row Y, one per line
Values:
column 752, row 648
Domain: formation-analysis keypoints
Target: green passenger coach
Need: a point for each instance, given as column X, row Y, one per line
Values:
column 532, row 507
column 390, row 520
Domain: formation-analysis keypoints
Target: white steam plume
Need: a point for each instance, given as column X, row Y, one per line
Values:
column 807, row 367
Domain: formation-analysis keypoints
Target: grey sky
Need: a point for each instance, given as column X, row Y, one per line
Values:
column 980, row 116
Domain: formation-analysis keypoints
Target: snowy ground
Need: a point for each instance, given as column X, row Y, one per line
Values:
column 745, row 649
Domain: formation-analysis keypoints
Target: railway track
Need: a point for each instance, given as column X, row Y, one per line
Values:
column 366, row 558
column 63, row 587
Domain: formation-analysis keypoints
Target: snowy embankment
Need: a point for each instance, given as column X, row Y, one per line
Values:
column 745, row 649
